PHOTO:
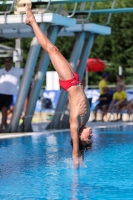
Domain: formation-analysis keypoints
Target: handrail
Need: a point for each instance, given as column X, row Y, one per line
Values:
column 91, row 8
column 105, row 11
column 74, row 10
column 59, row 8
column 48, row 5
column 80, row 12
column 6, row 48
column 8, row 2
column 10, row 9
column 88, row 17
column 81, row 8
column 110, row 14
column 44, row 10
column 89, row 14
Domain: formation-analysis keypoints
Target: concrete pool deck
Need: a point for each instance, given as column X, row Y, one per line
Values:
column 39, row 128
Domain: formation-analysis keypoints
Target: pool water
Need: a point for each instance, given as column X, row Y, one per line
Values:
column 40, row 167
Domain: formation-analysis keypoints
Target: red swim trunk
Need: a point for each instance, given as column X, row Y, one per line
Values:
column 66, row 84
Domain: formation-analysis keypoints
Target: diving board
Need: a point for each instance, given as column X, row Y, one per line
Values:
column 13, row 25
column 89, row 27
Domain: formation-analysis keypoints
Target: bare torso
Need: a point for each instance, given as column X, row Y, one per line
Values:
column 79, row 106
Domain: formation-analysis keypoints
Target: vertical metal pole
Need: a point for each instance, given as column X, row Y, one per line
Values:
column 17, row 46
column 85, row 53
column 110, row 14
column 43, row 65
column 25, row 83
column 86, row 79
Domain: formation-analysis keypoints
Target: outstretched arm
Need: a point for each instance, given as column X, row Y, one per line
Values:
column 75, row 140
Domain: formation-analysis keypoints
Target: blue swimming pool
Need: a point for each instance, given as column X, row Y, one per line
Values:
column 40, row 167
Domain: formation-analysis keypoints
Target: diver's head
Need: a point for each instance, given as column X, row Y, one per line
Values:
column 85, row 142
column 85, row 138
column 86, row 134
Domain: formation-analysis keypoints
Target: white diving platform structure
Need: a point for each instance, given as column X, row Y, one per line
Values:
column 13, row 26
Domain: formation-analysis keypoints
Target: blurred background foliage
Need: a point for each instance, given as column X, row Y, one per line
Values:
column 116, row 49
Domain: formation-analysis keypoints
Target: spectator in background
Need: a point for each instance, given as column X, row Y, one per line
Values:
column 120, row 81
column 119, row 100
column 103, row 82
column 11, row 108
column 9, row 86
column 10, row 111
column 104, row 101
column 29, row 91
column 130, row 108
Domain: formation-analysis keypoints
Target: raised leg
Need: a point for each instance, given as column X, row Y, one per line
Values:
column 103, row 112
column 61, row 65
column 117, row 108
column 129, row 108
column 95, row 113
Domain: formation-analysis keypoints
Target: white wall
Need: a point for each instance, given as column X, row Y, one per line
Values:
column 52, row 80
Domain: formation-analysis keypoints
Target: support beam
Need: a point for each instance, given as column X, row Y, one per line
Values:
column 43, row 65
column 90, row 27
column 85, row 54
column 25, row 83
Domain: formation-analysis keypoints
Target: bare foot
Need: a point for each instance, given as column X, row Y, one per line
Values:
column 29, row 16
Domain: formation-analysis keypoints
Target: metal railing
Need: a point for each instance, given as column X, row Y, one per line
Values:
column 90, row 11
column 50, row 4
column 11, row 6
column 110, row 14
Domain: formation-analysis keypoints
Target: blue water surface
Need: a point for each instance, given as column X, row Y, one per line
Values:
column 40, row 167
